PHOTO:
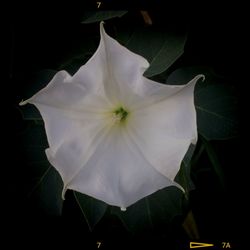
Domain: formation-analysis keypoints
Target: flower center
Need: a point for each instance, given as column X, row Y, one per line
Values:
column 120, row 114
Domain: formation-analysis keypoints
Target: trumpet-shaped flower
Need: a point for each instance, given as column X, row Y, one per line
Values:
column 114, row 134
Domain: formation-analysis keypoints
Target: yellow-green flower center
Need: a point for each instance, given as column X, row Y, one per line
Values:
column 120, row 114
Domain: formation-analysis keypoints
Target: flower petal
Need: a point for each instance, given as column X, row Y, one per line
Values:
column 76, row 149
column 64, row 93
column 164, row 128
column 71, row 141
column 150, row 92
column 74, row 120
column 113, row 69
column 118, row 173
column 118, row 163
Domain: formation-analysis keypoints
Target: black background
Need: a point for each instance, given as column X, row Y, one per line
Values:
column 39, row 36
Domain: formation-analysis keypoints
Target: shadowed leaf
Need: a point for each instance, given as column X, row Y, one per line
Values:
column 216, row 103
column 151, row 212
column 183, row 177
column 160, row 48
column 92, row 209
column 214, row 161
column 43, row 185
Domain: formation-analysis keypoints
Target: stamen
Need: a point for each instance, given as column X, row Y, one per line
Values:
column 119, row 115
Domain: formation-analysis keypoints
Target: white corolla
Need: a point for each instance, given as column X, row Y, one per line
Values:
column 114, row 134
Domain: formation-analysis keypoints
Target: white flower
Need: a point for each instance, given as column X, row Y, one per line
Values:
column 114, row 134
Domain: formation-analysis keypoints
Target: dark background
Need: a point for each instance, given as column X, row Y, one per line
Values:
column 39, row 37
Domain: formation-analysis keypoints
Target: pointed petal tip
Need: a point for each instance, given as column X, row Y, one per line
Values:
column 102, row 31
column 182, row 189
column 179, row 186
column 101, row 25
column 201, row 76
column 196, row 79
column 22, row 103
column 123, row 209
column 63, row 192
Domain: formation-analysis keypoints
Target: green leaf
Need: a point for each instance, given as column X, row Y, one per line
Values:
column 123, row 34
column 30, row 112
column 160, row 47
column 184, row 175
column 216, row 103
column 92, row 209
column 80, row 52
column 101, row 15
column 43, row 185
column 47, row 191
column 73, row 64
column 153, row 211
column 214, row 161
column 216, row 107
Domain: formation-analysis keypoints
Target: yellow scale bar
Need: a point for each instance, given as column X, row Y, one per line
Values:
column 199, row 244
